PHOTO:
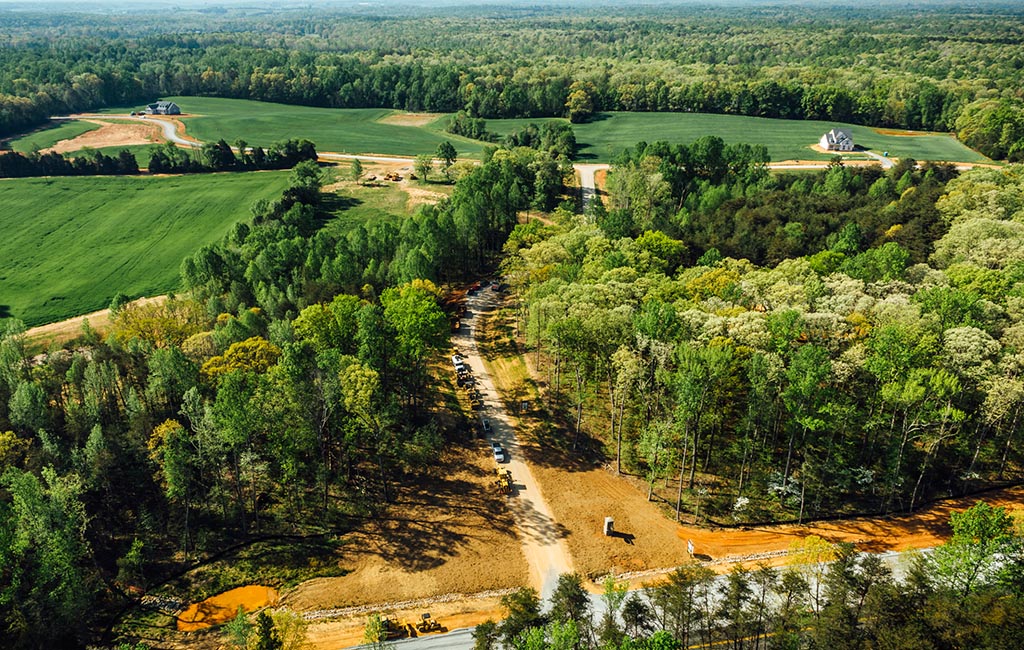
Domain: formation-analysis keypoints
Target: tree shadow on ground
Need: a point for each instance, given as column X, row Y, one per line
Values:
column 333, row 202
column 536, row 525
column 5, row 311
column 433, row 520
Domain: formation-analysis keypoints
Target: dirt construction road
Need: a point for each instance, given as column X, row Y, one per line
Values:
column 542, row 537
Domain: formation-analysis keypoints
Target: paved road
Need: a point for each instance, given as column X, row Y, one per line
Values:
column 886, row 162
column 543, row 539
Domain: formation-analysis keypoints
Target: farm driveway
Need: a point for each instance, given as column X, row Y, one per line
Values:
column 542, row 538
column 587, row 183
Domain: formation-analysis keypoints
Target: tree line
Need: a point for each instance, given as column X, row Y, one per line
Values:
column 14, row 164
column 164, row 159
column 967, row 594
column 220, row 157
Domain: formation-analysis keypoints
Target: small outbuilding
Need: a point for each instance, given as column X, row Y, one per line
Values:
column 837, row 140
column 163, row 108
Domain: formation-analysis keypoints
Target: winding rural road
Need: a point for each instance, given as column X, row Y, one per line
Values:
column 543, row 539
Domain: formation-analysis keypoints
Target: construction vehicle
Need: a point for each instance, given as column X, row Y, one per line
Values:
column 392, row 628
column 428, row 624
column 504, row 481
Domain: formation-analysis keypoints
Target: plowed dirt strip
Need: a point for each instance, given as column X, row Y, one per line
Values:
column 65, row 330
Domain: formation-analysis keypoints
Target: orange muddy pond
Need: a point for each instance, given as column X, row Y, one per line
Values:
column 224, row 607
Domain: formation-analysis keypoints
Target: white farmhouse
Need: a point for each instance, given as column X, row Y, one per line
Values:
column 837, row 140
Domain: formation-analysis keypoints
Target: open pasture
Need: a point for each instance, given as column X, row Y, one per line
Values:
column 356, row 130
column 71, row 243
column 609, row 133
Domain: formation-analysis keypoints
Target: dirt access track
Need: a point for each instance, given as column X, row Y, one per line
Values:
column 63, row 331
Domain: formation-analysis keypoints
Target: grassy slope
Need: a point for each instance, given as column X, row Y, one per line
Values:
column 51, row 134
column 610, row 133
column 88, row 238
column 338, row 130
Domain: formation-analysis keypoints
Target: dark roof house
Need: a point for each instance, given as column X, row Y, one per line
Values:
column 163, row 108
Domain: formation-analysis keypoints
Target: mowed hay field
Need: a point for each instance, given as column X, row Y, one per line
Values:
column 70, row 244
column 609, row 133
column 355, row 130
column 49, row 135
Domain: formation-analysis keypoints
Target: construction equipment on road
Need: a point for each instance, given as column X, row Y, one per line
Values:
column 504, row 481
column 428, row 624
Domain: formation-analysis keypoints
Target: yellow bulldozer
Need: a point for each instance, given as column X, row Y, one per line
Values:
column 504, row 481
column 391, row 628
column 427, row 624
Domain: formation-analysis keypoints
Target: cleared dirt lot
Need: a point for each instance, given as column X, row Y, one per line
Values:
column 111, row 134
column 453, row 535
column 410, row 119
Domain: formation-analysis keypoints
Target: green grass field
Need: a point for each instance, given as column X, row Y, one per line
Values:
column 361, row 131
column 610, row 133
column 356, row 130
column 71, row 243
column 50, row 135
column 356, row 204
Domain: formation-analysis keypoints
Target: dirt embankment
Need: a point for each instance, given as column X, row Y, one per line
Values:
column 224, row 607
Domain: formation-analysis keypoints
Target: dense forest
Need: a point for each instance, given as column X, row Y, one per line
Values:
column 944, row 68
column 785, row 347
column 967, row 594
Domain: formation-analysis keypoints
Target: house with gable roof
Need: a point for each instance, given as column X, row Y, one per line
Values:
column 163, row 108
column 837, row 140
